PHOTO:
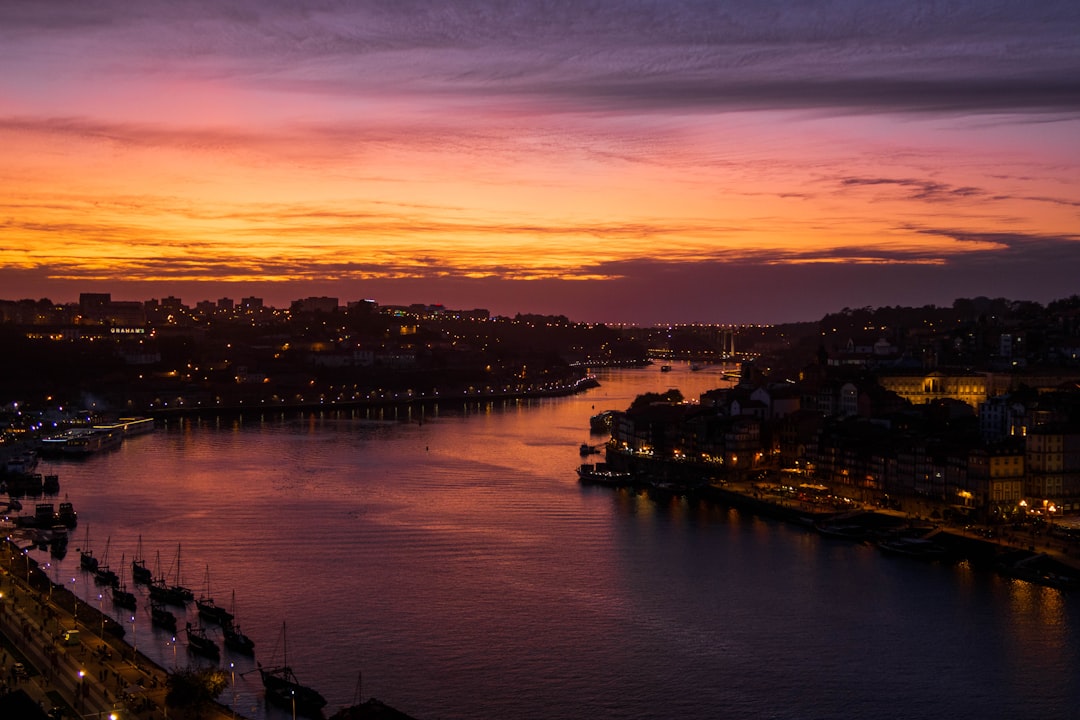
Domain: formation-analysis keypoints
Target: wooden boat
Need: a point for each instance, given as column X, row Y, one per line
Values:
column 120, row 595
column 175, row 593
column 67, row 515
column 139, row 572
column 103, row 575
column 87, row 561
column 199, row 643
column 918, row 548
column 284, row 690
column 235, row 639
column 162, row 617
column 208, row 609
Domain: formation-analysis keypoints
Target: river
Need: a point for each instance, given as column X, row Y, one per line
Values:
column 449, row 564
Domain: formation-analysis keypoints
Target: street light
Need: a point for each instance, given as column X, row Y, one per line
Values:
column 75, row 614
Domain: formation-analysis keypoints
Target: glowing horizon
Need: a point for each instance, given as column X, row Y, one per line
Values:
column 181, row 146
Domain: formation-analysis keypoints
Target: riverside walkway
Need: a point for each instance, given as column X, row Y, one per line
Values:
column 96, row 675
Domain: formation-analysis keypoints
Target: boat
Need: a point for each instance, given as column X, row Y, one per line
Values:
column 235, row 639
column 129, row 426
column 175, row 593
column 665, row 368
column 1040, row 569
column 23, row 463
column 121, row 597
column 103, row 575
column 161, row 616
column 199, row 643
column 87, row 561
column 842, row 531
column 284, row 690
column 82, row 442
column 139, row 572
column 587, row 449
column 44, row 517
column 601, row 474
column 24, row 484
column 208, row 609
column 59, row 535
column 67, row 515
column 51, row 484
column 913, row 547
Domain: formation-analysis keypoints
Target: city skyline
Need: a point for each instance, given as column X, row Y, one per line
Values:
column 640, row 163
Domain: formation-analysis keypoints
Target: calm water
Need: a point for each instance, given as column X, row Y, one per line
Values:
column 456, row 568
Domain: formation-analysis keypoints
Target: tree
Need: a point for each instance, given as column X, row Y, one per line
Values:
column 643, row 401
column 195, row 688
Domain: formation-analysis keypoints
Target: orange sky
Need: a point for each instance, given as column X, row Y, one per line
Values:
column 280, row 156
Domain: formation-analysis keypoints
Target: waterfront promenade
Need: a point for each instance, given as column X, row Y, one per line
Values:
column 989, row 544
column 94, row 676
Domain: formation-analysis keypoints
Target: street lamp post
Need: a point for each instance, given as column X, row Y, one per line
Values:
column 75, row 614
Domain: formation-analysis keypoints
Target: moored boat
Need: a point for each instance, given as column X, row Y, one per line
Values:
column 601, row 474
column 208, row 609
column 199, row 643
column 103, row 574
column 918, row 548
column 161, row 616
column 87, row 561
column 139, row 572
column 842, row 531
column 235, row 639
column 284, row 690
column 174, row 593
column 67, row 515
column 51, row 484
column 120, row 594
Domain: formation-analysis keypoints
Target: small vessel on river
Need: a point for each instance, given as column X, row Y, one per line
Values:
column 199, row 643
column 87, row 561
column 601, row 474
column 120, row 594
column 103, row 574
column 139, row 572
column 284, row 690
column 161, row 616
column 208, row 609
column 175, row 593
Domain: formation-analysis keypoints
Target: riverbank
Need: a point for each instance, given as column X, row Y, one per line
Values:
column 1020, row 552
column 95, row 674
column 379, row 399
column 98, row 672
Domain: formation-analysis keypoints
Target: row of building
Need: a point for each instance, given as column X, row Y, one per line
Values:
column 989, row 444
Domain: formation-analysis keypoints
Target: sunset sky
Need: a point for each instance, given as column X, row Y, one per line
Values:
column 614, row 160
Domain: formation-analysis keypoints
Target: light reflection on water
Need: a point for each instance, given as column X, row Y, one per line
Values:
column 459, row 566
